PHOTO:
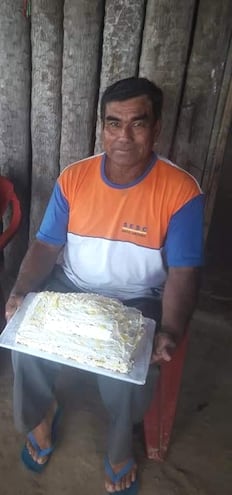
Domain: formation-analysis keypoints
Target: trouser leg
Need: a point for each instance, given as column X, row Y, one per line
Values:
column 33, row 390
column 126, row 402
column 34, row 379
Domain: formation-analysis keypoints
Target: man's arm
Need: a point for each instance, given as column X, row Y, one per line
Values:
column 184, row 254
column 179, row 301
column 36, row 266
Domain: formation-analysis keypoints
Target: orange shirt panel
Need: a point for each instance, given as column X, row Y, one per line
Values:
column 139, row 214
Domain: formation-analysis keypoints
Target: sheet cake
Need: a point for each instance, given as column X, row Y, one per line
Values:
column 87, row 328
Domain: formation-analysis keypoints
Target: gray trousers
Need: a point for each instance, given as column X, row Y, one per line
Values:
column 126, row 403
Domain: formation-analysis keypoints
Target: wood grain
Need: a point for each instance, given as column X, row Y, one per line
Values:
column 47, row 49
column 82, row 37
column 202, row 87
column 165, row 45
column 15, row 70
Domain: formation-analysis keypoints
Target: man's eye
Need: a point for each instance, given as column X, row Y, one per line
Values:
column 113, row 123
column 138, row 123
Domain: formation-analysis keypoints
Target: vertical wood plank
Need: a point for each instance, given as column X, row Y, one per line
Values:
column 47, row 49
column 15, row 115
column 82, row 36
column 204, row 77
column 165, row 45
column 217, row 161
column 123, row 26
column 217, row 125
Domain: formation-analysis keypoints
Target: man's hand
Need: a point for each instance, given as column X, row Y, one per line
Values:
column 179, row 300
column 164, row 347
column 14, row 302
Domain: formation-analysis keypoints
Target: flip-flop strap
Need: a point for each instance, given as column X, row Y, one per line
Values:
column 44, row 452
column 115, row 477
column 39, row 451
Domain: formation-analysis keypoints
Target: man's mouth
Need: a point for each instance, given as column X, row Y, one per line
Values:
column 124, row 150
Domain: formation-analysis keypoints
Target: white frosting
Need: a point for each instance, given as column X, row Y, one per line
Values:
column 87, row 328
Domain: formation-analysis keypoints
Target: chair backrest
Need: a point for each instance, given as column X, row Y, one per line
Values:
column 8, row 197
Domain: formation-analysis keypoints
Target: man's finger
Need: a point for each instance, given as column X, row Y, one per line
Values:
column 166, row 356
column 10, row 311
column 9, row 314
column 161, row 356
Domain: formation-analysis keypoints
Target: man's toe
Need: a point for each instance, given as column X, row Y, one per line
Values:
column 34, row 455
column 110, row 488
column 128, row 481
column 31, row 451
column 119, row 488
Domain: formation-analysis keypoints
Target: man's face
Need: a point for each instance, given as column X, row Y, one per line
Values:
column 129, row 131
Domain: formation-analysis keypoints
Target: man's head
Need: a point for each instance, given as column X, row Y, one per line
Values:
column 130, row 112
column 133, row 87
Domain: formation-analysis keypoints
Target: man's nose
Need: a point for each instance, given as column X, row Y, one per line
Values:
column 125, row 132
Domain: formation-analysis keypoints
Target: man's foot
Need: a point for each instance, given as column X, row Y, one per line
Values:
column 125, row 481
column 42, row 435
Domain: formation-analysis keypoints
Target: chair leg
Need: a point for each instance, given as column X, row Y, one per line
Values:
column 159, row 419
column 152, row 425
column 2, row 311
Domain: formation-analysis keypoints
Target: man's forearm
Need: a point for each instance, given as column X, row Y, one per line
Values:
column 36, row 266
column 179, row 299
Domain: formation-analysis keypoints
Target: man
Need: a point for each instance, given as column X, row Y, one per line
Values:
column 130, row 225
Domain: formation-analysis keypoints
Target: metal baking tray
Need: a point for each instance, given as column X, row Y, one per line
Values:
column 137, row 375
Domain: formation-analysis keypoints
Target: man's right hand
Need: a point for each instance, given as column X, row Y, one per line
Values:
column 14, row 302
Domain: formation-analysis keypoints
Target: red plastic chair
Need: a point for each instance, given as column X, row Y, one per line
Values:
column 159, row 419
column 7, row 198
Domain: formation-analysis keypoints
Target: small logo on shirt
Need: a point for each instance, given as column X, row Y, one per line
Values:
column 132, row 228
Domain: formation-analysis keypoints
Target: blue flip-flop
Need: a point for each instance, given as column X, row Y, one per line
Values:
column 134, row 488
column 25, row 455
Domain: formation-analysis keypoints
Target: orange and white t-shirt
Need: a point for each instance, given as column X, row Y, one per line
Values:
column 119, row 239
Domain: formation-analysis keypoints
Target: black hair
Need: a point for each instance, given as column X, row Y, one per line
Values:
column 131, row 87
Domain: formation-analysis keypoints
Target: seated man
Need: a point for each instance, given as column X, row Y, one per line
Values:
column 130, row 226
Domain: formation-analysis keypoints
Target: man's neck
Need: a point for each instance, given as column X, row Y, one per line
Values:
column 122, row 174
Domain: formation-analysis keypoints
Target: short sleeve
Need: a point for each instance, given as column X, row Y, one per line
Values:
column 184, row 245
column 53, row 228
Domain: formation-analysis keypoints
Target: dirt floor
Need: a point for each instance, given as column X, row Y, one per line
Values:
column 200, row 457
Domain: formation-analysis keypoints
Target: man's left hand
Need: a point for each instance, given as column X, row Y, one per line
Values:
column 164, row 347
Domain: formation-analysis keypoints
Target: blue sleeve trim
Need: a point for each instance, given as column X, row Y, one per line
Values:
column 54, row 226
column 184, row 245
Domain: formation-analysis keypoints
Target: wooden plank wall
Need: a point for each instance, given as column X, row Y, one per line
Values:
column 164, row 55
column 77, row 48
column 15, row 82
column 83, row 23
column 47, row 49
column 203, row 83
column 218, row 139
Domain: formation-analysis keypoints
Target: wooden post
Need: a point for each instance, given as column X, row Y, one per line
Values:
column 217, row 162
column 47, row 49
column 202, row 88
column 82, row 38
column 121, row 45
column 218, row 138
column 165, row 45
column 15, row 115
